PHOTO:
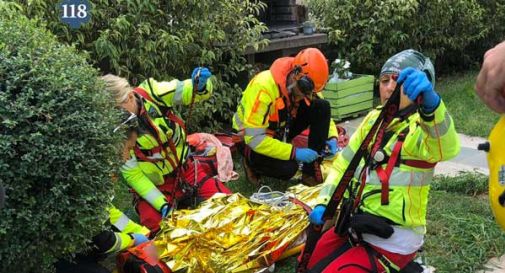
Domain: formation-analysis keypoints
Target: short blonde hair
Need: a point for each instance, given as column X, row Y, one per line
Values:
column 118, row 86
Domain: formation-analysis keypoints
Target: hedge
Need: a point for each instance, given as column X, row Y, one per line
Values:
column 58, row 150
column 454, row 33
column 167, row 39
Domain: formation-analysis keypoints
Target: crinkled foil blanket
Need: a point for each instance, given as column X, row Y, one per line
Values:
column 232, row 233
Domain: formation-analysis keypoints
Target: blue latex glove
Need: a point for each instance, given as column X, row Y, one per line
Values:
column 202, row 78
column 165, row 210
column 332, row 147
column 139, row 238
column 316, row 216
column 416, row 83
column 305, row 155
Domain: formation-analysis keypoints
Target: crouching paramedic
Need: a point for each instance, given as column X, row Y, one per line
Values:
column 277, row 105
column 385, row 220
column 122, row 233
column 159, row 169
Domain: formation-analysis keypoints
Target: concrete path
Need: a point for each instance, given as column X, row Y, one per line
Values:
column 469, row 159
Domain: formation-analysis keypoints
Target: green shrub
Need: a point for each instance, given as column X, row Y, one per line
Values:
column 58, row 150
column 469, row 183
column 165, row 39
column 368, row 32
column 494, row 12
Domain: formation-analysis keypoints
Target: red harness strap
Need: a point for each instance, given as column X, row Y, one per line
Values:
column 384, row 175
column 177, row 165
column 170, row 116
column 419, row 164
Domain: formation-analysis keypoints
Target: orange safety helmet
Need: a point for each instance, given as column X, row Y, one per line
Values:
column 311, row 70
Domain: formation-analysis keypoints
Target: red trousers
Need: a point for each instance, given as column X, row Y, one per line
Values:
column 354, row 260
column 205, row 185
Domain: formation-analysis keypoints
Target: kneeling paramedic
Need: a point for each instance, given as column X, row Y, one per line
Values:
column 277, row 105
column 122, row 234
column 383, row 213
column 159, row 169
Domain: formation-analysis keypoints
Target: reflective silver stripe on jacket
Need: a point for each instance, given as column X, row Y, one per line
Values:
column 152, row 195
column 439, row 129
column 347, row 153
column 121, row 222
column 257, row 134
column 178, row 93
column 404, row 178
column 238, row 121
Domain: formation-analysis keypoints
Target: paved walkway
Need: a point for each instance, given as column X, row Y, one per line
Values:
column 469, row 159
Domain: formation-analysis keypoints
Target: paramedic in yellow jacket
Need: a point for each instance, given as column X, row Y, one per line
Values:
column 159, row 168
column 277, row 105
column 122, row 234
column 389, row 229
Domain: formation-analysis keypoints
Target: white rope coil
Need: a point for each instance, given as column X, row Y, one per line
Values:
column 275, row 199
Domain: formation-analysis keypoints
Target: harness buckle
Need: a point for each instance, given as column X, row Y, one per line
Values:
column 379, row 156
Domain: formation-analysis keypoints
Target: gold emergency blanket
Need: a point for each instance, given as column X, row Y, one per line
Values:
column 232, row 234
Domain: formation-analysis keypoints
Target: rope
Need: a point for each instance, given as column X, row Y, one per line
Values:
column 276, row 199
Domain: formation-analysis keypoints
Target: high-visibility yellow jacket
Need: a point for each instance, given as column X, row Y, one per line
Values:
column 263, row 111
column 431, row 138
column 143, row 176
column 124, row 227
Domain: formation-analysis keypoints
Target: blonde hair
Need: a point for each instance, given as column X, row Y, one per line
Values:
column 119, row 87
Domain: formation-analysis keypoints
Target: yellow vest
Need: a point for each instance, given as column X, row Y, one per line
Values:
column 430, row 141
column 262, row 112
column 144, row 172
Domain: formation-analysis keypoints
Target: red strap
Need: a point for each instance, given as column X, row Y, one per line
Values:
column 140, row 155
column 384, row 175
column 419, row 164
column 142, row 92
column 360, row 190
column 304, row 206
column 173, row 117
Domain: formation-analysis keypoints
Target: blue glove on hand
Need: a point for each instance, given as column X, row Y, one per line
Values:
column 332, row 147
column 316, row 216
column 165, row 210
column 139, row 238
column 416, row 83
column 200, row 76
column 305, row 155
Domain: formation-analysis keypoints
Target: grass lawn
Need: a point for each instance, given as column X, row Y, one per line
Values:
column 470, row 114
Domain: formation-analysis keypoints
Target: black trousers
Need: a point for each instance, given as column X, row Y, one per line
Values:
column 317, row 117
column 81, row 264
column 89, row 261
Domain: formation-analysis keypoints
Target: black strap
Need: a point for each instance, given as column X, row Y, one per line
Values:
column 372, row 254
column 387, row 114
column 313, row 235
column 323, row 263
column 412, row 267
